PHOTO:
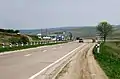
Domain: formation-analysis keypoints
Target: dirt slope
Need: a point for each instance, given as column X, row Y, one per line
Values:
column 83, row 66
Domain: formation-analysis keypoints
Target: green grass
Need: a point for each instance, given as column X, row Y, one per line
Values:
column 109, row 59
column 25, row 47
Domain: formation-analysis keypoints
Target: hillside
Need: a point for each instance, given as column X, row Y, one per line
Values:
column 76, row 31
column 116, row 32
column 13, row 38
column 6, row 37
column 87, row 31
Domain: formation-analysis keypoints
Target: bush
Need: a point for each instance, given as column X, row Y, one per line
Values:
column 14, row 40
column 22, row 39
column 109, row 59
column 9, row 30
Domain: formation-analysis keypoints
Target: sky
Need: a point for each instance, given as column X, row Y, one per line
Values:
column 37, row 14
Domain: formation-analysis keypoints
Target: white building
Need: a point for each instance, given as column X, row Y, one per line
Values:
column 39, row 35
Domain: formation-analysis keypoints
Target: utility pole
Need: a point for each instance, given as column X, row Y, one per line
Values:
column 41, row 31
column 46, row 31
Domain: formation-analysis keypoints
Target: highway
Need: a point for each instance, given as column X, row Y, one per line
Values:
column 24, row 64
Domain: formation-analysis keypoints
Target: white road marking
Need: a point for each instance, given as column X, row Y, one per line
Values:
column 28, row 55
column 35, row 75
column 54, row 48
column 93, row 74
column 9, row 52
column 44, row 50
column 61, row 46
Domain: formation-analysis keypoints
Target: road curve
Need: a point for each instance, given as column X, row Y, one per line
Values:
column 24, row 64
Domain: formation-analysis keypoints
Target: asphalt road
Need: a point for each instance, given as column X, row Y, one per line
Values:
column 24, row 64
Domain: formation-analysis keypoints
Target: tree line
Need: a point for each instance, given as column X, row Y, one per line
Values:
column 9, row 31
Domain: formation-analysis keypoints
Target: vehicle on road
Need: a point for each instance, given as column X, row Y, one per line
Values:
column 93, row 40
column 80, row 40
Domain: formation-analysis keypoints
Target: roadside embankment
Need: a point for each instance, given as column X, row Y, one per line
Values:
column 82, row 66
column 109, row 58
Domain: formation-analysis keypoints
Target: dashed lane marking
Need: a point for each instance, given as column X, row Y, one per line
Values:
column 28, row 55
column 35, row 75
column 44, row 50
column 54, row 48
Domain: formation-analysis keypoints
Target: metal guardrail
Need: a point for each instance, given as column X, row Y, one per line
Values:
column 14, row 47
column 3, row 45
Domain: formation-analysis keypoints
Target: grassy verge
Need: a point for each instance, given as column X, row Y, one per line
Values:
column 109, row 59
column 25, row 47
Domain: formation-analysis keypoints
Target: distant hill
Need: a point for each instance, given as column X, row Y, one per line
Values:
column 87, row 31
column 116, row 32
column 76, row 31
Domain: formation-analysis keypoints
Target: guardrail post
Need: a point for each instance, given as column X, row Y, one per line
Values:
column 10, row 45
column 17, row 44
column 27, row 43
column 22, row 44
column 34, row 43
column 3, row 45
column 37, row 43
column 41, row 42
column 31, row 43
column 98, row 48
column 55, row 41
column 45, row 42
